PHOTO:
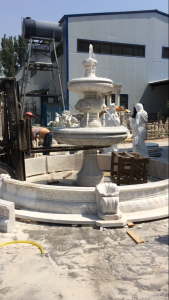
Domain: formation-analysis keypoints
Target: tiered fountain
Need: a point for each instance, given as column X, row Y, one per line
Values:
column 92, row 202
column 90, row 132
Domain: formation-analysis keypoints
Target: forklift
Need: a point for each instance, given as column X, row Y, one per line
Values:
column 17, row 133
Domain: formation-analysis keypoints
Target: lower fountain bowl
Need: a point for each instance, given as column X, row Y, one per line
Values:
column 100, row 137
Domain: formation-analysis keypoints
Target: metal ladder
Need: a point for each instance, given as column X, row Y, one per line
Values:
column 26, row 69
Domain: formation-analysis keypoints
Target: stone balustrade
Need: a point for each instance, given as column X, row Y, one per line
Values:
column 157, row 130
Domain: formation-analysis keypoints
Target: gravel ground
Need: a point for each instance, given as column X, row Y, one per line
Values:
column 85, row 263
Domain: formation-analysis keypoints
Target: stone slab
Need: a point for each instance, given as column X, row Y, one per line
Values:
column 153, row 214
column 35, row 166
column 78, row 161
column 112, row 223
column 56, row 218
column 7, row 216
column 104, row 162
column 59, row 163
column 158, row 169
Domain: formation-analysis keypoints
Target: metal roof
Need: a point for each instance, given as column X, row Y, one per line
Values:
column 114, row 13
column 159, row 82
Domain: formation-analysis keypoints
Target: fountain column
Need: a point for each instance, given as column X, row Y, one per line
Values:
column 109, row 100
column 90, row 174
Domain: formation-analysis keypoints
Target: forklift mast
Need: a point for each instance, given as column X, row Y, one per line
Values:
column 16, row 132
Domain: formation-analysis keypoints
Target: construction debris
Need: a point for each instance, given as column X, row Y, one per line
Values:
column 28, row 221
column 51, row 182
column 130, row 224
column 67, row 175
column 135, row 237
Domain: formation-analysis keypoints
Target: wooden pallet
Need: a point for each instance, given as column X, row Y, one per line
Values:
column 129, row 168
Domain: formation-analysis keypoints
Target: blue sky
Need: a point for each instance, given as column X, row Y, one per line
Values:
column 12, row 11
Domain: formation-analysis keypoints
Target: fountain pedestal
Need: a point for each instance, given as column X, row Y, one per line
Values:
column 90, row 173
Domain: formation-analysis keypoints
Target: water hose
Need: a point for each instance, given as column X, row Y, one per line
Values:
column 26, row 242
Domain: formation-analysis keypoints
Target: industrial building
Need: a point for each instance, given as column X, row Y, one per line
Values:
column 131, row 49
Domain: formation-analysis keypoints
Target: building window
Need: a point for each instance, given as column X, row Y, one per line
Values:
column 96, row 47
column 139, row 51
column 83, row 46
column 117, row 49
column 165, row 52
column 111, row 48
column 106, row 48
column 123, row 100
column 128, row 50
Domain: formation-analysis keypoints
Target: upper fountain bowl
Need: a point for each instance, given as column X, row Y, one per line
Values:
column 90, row 83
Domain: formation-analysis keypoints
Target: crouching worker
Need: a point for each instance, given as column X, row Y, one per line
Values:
column 42, row 133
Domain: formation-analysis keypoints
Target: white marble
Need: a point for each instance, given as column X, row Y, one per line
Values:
column 138, row 125
column 144, row 196
column 107, row 200
column 66, row 119
column 90, row 173
column 60, row 162
column 7, row 216
column 56, row 121
column 90, row 132
column 89, row 219
column 35, row 165
column 78, row 200
column 136, row 202
column 111, row 120
column 158, row 169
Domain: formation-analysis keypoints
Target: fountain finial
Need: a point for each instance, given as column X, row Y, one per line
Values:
column 90, row 51
column 90, row 64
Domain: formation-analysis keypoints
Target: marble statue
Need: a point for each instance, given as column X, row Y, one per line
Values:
column 67, row 120
column 56, row 121
column 138, row 125
column 111, row 120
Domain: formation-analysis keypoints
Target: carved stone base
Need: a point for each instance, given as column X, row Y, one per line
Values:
column 109, row 216
column 107, row 200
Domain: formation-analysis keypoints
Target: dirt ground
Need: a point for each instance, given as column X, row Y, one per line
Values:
column 85, row 263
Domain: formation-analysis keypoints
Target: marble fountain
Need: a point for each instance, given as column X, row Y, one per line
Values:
column 90, row 198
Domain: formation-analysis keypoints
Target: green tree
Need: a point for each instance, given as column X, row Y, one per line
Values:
column 12, row 54
column 0, row 65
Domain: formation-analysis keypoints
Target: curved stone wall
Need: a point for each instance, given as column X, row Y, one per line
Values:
column 78, row 200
